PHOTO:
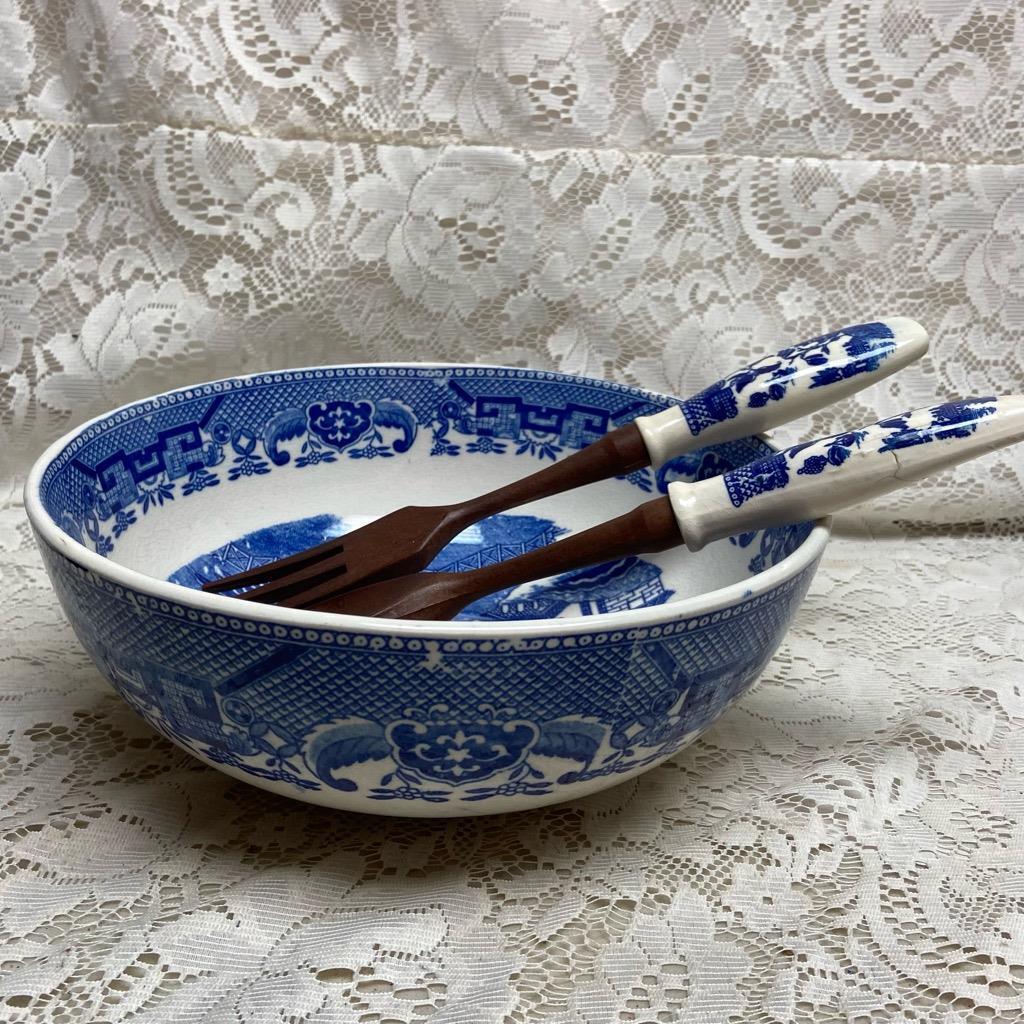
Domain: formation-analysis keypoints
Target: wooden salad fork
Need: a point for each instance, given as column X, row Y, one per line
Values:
column 794, row 382
column 805, row 482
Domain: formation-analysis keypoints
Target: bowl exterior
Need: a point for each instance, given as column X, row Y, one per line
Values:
column 420, row 725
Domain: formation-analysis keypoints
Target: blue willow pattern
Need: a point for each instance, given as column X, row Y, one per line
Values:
column 253, row 696
column 131, row 480
column 614, row 586
column 240, row 694
column 954, row 419
column 768, row 380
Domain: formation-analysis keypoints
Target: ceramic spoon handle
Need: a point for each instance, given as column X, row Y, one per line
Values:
column 824, row 476
column 792, row 383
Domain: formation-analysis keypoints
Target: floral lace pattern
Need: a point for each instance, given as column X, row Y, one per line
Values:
column 656, row 192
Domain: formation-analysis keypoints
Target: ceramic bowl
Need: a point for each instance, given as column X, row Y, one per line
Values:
column 541, row 694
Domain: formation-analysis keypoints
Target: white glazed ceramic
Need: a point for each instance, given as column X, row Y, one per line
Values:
column 545, row 693
column 780, row 388
column 829, row 474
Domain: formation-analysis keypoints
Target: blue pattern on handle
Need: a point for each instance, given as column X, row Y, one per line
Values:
column 771, row 474
column 954, row 419
column 837, row 451
column 866, row 346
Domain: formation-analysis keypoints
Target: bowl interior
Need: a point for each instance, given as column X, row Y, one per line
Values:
column 211, row 480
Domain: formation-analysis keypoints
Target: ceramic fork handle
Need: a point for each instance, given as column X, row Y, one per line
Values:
column 815, row 479
column 792, row 383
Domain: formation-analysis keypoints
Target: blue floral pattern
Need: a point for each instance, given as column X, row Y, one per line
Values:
column 247, row 462
column 866, row 346
column 486, row 446
column 833, row 451
column 952, row 420
column 123, row 520
column 315, row 433
column 340, row 424
column 199, row 480
column 440, row 747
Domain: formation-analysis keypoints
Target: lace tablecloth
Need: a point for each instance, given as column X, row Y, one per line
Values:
column 651, row 191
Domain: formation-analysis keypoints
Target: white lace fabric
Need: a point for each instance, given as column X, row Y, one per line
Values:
column 655, row 192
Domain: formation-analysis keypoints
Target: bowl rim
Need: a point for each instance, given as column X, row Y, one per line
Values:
column 697, row 605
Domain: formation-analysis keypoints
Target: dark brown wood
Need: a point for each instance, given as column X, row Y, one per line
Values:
column 401, row 542
column 622, row 451
column 441, row 595
column 408, row 539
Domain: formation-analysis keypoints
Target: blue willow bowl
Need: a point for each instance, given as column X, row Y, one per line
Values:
column 543, row 693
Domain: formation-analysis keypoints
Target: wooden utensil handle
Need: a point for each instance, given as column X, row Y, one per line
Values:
column 650, row 527
column 617, row 453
